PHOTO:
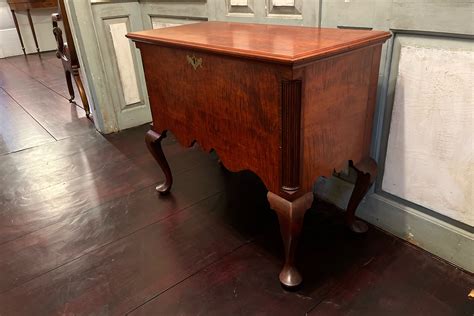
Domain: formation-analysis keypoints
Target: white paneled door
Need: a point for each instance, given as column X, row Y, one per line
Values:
column 122, row 62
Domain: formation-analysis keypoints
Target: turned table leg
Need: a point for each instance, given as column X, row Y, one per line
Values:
column 153, row 142
column 366, row 172
column 17, row 26
column 32, row 27
column 290, row 216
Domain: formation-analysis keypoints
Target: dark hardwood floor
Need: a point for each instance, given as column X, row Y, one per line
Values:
column 82, row 230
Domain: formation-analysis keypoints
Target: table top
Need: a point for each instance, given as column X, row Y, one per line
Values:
column 277, row 43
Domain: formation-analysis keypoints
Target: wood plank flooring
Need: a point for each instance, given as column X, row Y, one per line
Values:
column 83, row 232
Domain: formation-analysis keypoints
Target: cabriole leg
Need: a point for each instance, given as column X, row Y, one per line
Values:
column 290, row 216
column 69, row 85
column 32, row 27
column 366, row 172
column 153, row 142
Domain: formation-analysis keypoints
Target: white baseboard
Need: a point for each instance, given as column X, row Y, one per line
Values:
column 442, row 239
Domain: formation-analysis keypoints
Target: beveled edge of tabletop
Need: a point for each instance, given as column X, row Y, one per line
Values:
column 308, row 56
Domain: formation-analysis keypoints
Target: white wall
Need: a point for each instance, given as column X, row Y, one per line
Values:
column 9, row 42
column 430, row 154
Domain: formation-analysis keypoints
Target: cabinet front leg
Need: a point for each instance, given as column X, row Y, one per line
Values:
column 290, row 217
column 366, row 173
column 153, row 142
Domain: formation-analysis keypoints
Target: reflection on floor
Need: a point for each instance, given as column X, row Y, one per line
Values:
column 82, row 230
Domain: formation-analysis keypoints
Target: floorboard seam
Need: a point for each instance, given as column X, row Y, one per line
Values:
column 247, row 242
column 336, row 287
column 98, row 205
column 90, row 171
column 59, row 140
column 323, row 298
column 333, row 289
column 129, row 159
column 23, row 149
column 111, row 242
column 27, row 112
column 36, row 146
column 44, row 85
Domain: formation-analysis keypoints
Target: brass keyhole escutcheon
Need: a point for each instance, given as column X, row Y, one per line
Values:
column 194, row 61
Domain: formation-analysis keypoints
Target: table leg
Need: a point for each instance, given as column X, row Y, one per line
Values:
column 33, row 30
column 366, row 173
column 290, row 216
column 153, row 142
column 18, row 31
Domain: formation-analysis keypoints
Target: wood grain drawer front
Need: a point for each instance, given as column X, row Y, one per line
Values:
column 46, row 4
column 223, row 103
column 20, row 5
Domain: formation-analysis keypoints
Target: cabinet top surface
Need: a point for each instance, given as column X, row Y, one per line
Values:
column 278, row 43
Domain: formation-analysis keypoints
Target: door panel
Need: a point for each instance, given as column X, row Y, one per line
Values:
column 122, row 61
column 291, row 12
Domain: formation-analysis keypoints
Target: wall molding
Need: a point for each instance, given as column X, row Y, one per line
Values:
column 436, row 236
column 427, row 232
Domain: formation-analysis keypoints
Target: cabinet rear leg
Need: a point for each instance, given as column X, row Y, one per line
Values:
column 153, row 142
column 69, row 85
column 290, row 217
column 366, row 172
column 82, row 93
